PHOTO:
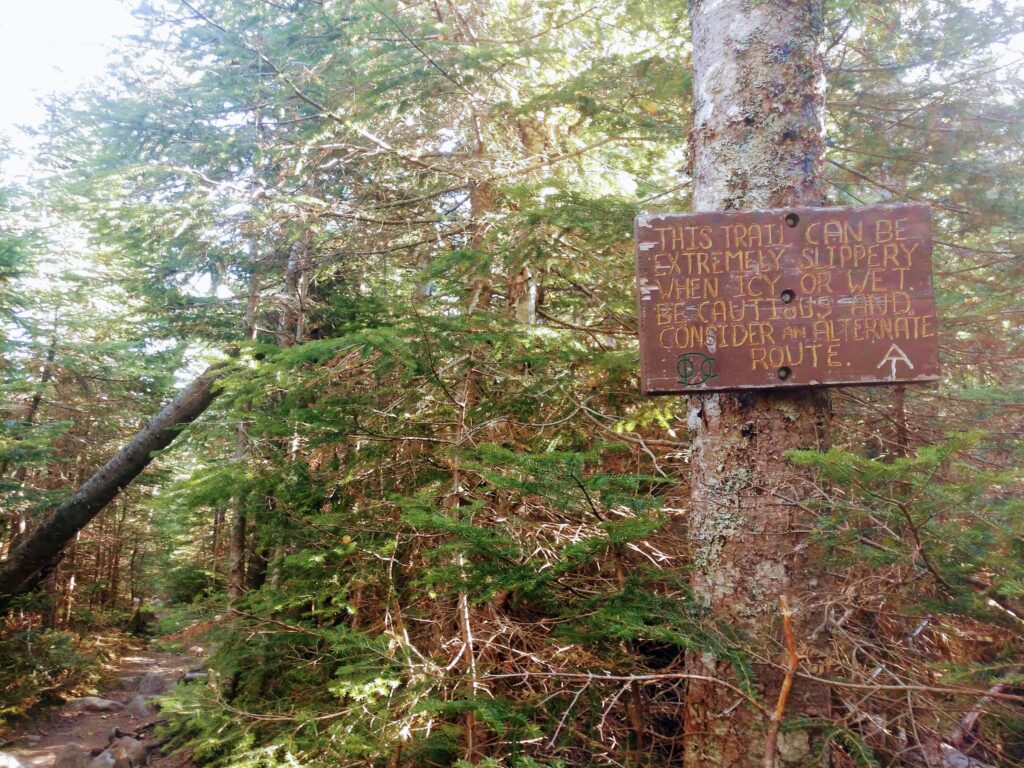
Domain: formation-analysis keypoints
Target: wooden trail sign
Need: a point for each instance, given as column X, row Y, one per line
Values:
column 792, row 297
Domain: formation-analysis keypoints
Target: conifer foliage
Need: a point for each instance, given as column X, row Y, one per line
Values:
column 436, row 521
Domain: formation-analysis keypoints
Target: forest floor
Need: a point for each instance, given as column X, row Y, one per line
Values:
column 139, row 672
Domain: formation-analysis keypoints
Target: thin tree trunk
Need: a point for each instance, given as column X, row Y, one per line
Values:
column 290, row 319
column 522, row 295
column 256, row 571
column 44, row 376
column 53, row 587
column 70, row 583
column 239, row 523
column 290, row 331
column 479, row 299
column 100, row 560
column 38, row 553
column 32, row 407
column 218, row 524
column 277, row 559
column 132, row 574
column 758, row 142
column 6, row 531
column 236, row 567
column 114, row 566
column 250, row 326
column 899, row 416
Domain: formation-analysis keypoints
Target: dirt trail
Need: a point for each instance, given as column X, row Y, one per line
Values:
column 140, row 672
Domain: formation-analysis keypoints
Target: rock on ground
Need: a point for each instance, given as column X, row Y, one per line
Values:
column 141, row 707
column 71, row 756
column 104, row 759
column 128, row 683
column 153, row 682
column 125, row 752
column 94, row 704
column 94, row 724
column 128, row 752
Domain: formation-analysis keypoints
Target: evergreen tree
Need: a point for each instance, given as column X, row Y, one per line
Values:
column 467, row 537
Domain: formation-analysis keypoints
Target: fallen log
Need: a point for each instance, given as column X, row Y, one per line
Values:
column 39, row 552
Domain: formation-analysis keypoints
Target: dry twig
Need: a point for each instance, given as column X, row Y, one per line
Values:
column 792, row 661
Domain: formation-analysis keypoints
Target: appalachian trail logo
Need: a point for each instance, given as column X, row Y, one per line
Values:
column 695, row 368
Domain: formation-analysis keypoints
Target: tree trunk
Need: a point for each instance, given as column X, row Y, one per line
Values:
column 114, row 557
column 290, row 323
column 239, row 523
column 39, row 552
column 44, row 377
column 256, row 571
column 18, row 523
column 68, row 598
column 236, row 568
column 901, row 441
column 757, row 142
column 218, row 525
column 480, row 298
column 99, row 538
column 133, row 562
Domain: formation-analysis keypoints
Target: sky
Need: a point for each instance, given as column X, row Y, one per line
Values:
column 51, row 46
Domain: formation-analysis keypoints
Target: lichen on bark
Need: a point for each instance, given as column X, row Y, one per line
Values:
column 757, row 142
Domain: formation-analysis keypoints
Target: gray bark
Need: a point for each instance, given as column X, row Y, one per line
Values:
column 757, row 142
column 239, row 523
column 236, row 569
column 37, row 554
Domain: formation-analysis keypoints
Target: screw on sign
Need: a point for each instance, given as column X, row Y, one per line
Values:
column 794, row 297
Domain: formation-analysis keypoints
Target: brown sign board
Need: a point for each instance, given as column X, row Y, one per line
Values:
column 794, row 297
